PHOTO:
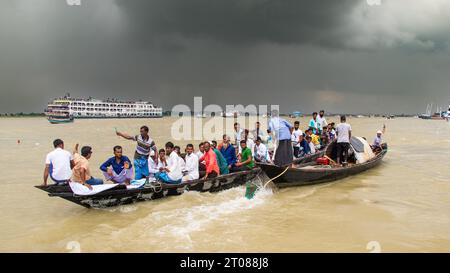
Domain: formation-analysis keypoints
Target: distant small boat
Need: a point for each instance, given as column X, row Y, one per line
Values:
column 59, row 120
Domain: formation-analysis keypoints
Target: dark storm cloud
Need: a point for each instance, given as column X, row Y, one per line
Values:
column 339, row 55
column 240, row 22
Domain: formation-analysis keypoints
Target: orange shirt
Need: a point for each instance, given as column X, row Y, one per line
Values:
column 210, row 161
column 80, row 163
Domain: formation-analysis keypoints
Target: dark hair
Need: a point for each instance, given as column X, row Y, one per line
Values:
column 145, row 128
column 258, row 139
column 322, row 111
column 190, row 146
column 308, row 138
column 117, row 148
column 315, row 113
column 258, row 122
column 236, row 123
column 169, row 145
column 161, row 151
column 201, row 144
column 297, row 122
column 57, row 142
column 224, row 136
column 243, row 141
column 214, row 142
column 86, row 150
column 343, row 118
column 177, row 147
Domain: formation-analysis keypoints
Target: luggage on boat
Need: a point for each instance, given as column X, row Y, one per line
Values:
column 323, row 161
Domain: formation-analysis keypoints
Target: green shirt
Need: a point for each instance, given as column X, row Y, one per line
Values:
column 245, row 155
column 222, row 162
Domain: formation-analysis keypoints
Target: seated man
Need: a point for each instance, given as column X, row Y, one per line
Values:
column 153, row 164
column 171, row 174
column 118, row 168
column 210, row 159
column 315, row 139
column 312, row 147
column 229, row 152
column 191, row 168
column 58, row 164
column 304, row 146
column 221, row 161
column 261, row 152
column 162, row 162
column 376, row 146
column 81, row 170
column 246, row 163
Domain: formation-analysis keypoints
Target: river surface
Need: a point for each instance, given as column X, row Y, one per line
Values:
column 401, row 206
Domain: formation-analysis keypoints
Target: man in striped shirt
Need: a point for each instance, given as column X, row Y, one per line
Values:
column 144, row 145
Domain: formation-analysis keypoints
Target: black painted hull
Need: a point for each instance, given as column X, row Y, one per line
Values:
column 303, row 177
column 121, row 196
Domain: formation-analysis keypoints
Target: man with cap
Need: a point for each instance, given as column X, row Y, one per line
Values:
column 376, row 146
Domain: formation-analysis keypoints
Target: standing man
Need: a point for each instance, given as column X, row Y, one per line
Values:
column 238, row 132
column 58, row 164
column 81, row 170
column 282, row 130
column 296, row 138
column 118, row 168
column 144, row 145
column 321, row 120
column 344, row 134
column 257, row 132
column 313, row 124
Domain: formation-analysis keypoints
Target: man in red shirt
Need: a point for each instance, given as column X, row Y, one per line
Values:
column 212, row 168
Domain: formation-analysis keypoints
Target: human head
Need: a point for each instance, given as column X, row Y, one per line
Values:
column 322, row 113
column 379, row 133
column 177, row 149
column 117, row 151
column 58, row 143
column 236, row 126
column 169, row 148
column 144, row 131
column 258, row 141
column 189, row 149
column 258, row 125
column 86, row 152
column 301, row 137
column 162, row 153
column 201, row 147
column 308, row 139
column 314, row 115
column 206, row 146
column 214, row 144
column 296, row 124
column 343, row 118
column 243, row 144
column 308, row 132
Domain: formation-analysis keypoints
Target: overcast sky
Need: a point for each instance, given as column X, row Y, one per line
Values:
column 343, row 56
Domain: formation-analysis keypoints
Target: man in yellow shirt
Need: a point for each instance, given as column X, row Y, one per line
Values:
column 315, row 139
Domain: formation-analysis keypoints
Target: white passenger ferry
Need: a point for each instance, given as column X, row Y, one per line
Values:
column 94, row 108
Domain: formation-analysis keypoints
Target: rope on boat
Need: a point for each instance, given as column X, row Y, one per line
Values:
column 276, row 177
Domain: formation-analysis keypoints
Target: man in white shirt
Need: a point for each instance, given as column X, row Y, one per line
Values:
column 250, row 143
column 191, row 167
column 238, row 133
column 172, row 173
column 321, row 120
column 312, row 147
column 261, row 154
column 296, row 138
column 344, row 134
column 58, row 164
column 153, row 164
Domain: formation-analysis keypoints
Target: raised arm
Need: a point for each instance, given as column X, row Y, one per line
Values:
column 125, row 136
column 75, row 149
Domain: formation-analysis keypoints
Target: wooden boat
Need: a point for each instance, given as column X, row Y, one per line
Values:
column 313, row 173
column 120, row 195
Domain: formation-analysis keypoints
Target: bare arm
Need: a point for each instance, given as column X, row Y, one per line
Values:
column 46, row 174
column 75, row 150
column 125, row 136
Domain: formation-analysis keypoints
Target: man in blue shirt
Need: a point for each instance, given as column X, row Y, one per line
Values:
column 229, row 152
column 118, row 168
column 283, row 130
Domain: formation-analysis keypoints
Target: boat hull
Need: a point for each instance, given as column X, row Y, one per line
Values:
column 305, row 176
column 122, row 196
